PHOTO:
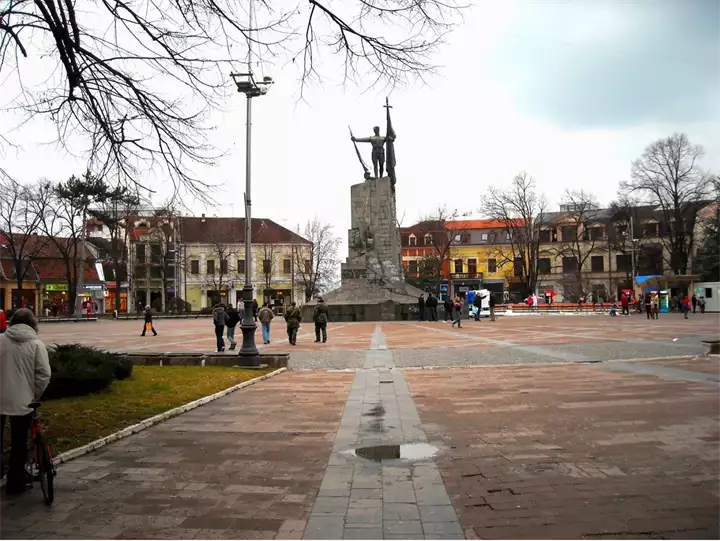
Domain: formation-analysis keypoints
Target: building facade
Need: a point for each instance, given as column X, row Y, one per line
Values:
column 212, row 262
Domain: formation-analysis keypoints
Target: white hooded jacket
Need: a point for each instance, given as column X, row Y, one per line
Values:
column 24, row 369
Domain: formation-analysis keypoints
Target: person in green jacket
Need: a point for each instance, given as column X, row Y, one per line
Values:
column 293, row 317
column 320, row 317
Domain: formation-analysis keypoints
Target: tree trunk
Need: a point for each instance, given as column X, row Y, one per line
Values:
column 117, row 288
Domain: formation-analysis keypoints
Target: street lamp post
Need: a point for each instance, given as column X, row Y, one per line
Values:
column 247, row 85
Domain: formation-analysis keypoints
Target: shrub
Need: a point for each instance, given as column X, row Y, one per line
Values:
column 79, row 370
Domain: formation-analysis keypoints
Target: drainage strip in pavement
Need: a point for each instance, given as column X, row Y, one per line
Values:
column 381, row 481
column 664, row 372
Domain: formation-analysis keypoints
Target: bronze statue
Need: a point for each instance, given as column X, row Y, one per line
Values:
column 379, row 143
column 378, row 150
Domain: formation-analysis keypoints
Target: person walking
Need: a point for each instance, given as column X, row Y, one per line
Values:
column 256, row 309
column 701, row 304
column 320, row 317
column 3, row 321
column 233, row 318
column 220, row 319
column 293, row 317
column 265, row 315
column 648, row 305
column 448, row 305
column 421, row 307
column 685, row 304
column 625, row 303
column 694, row 301
column 24, row 376
column 491, row 302
column 457, row 305
column 656, row 306
column 477, row 303
column 148, row 325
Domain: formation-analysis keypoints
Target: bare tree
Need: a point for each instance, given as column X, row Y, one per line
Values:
column 115, row 212
column 21, row 214
column 581, row 237
column 522, row 211
column 117, row 63
column 163, row 236
column 440, row 236
column 270, row 253
column 316, row 262
column 667, row 175
column 220, row 276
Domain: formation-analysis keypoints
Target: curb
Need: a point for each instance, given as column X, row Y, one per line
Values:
column 147, row 423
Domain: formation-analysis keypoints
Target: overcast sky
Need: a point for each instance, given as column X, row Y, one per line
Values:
column 569, row 91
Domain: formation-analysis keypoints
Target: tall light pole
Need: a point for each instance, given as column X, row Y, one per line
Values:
column 247, row 85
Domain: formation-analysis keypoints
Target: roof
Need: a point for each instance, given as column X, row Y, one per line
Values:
column 484, row 224
column 232, row 231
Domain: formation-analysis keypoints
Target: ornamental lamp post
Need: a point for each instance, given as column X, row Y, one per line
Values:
column 246, row 84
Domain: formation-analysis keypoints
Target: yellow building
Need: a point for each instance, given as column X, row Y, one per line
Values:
column 213, row 262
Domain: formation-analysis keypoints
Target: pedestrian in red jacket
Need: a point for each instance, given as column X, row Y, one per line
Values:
column 3, row 321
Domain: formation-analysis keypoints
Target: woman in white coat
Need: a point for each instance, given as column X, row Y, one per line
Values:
column 24, row 376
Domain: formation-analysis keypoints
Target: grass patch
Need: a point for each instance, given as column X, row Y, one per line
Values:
column 75, row 421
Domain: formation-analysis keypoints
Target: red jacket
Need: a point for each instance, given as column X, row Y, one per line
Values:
column 3, row 321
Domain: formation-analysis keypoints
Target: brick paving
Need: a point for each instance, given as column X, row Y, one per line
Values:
column 247, row 466
column 574, row 451
column 544, row 448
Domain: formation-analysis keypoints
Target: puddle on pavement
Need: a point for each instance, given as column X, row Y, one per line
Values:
column 406, row 451
column 377, row 411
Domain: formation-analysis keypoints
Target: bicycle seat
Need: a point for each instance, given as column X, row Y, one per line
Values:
column 34, row 405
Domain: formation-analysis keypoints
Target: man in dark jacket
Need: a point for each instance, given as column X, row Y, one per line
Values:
column 256, row 309
column 421, row 307
column 233, row 318
column 477, row 303
column 320, row 317
column 448, row 304
column 491, row 304
column 431, row 307
column 148, row 322
column 220, row 318
column 694, row 301
column 293, row 317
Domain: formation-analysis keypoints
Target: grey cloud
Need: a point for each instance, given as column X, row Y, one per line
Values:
column 653, row 61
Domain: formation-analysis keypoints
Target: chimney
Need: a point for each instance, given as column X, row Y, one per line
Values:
column 202, row 219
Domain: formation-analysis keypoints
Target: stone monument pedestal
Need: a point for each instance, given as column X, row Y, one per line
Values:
column 372, row 286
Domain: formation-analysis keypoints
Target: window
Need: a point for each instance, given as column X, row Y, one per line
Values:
column 412, row 240
column 241, row 266
column 708, row 293
column 267, row 266
column 194, row 266
column 413, row 267
column 223, row 266
column 597, row 263
column 156, row 272
column 650, row 230
column 155, row 253
column 623, row 262
column 287, row 266
column 210, row 266
column 544, row 235
column 492, row 266
column 428, row 239
column 140, row 272
column 621, row 230
column 472, row 266
column 544, row 266
column 458, row 237
column 308, row 266
column 140, row 253
column 518, row 266
column 483, row 236
column 596, row 233
column 570, row 264
column 569, row 233
column 458, row 266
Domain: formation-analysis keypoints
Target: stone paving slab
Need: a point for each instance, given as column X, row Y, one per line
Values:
column 247, row 466
column 574, row 451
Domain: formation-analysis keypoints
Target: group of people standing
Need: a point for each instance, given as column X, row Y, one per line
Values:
column 427, row 309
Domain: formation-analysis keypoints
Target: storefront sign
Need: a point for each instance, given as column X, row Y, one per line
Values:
column 56, row 287
column 94, row 287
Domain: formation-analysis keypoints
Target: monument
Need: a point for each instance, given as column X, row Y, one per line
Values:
column 372, row 284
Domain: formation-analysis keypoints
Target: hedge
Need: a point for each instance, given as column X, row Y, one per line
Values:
column 78, row 370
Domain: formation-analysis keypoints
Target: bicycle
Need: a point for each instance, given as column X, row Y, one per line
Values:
column 40, row 461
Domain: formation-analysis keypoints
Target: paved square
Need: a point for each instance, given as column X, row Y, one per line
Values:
column 545, row 427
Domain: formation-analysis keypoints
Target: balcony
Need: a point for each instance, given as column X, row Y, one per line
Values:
column 466, row 275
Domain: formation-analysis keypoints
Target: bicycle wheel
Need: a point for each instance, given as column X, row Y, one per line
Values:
column 45, row 468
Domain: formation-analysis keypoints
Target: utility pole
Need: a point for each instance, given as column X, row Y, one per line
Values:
column 632, row 252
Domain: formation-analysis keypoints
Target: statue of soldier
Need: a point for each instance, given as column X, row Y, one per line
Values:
column 378, row 149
